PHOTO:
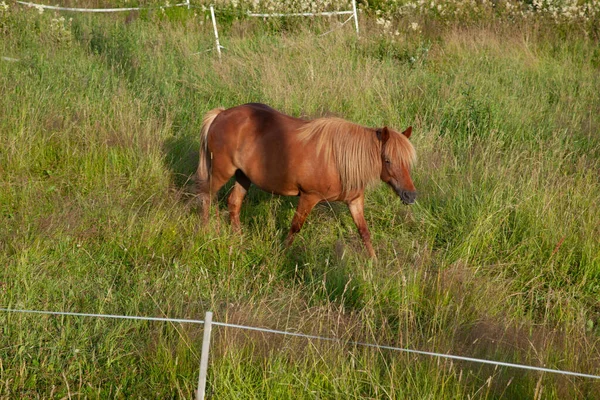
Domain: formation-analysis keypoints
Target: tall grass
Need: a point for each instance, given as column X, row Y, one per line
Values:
column 499, row 258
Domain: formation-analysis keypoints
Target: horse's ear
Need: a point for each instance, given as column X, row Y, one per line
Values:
column 383, row 134
column 407, row 132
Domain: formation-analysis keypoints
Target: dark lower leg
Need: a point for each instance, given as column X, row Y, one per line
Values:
column 234, row 203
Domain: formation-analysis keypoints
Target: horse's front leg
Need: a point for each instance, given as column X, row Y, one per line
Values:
column 306, row 203
column 356, row 207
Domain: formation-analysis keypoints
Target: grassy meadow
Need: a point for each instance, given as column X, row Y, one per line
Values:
column 499, row 258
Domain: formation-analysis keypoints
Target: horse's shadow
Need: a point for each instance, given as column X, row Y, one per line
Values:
column 180, row 155
column 328, row 278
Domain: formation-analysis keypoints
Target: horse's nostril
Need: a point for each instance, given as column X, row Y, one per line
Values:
column 408, row 197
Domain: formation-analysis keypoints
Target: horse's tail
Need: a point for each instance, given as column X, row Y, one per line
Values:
column 204, row 165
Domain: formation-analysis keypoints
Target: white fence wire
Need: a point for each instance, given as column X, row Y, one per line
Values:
column 101, row 10
column 206, row 342
column 352, row 12
column 304, row 14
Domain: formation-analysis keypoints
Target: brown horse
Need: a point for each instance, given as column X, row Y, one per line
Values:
column 326, row 159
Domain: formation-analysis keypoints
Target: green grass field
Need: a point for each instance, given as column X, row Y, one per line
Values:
column 499, row 258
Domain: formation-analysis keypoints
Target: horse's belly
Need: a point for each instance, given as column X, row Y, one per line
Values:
column 289, row 184
column 276, row 187
column 284, row 192
column 286, row 170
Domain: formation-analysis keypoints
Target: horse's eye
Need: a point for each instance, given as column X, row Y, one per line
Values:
column 387, row 161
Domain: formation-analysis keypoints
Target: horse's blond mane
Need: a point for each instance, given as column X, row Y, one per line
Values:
column 355, row 150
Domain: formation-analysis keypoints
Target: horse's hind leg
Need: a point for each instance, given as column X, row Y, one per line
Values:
column 306, row 203
column 204, row 199
column 220, row 173
column 234, row 203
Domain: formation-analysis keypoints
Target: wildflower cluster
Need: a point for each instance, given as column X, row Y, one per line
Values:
column 558, row 10
column 566, row 10
column 4, row 15
column 582, row 12
column 277, row 6
column 60, row 29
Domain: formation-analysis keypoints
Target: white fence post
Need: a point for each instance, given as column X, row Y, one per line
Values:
column 188, row 4
column 355, row 16
column 204, row 356
column 214, row 21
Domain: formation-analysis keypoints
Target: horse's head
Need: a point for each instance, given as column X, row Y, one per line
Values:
column 397, row 156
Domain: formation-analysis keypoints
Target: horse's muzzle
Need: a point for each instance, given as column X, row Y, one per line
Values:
column 406, row 196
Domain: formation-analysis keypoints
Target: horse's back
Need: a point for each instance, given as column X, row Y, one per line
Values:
column 261, row 114
column 259, row 107
column 255, row 121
